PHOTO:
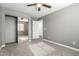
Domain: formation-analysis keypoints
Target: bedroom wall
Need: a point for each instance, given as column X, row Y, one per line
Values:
column 63, row 26
column 0, row 25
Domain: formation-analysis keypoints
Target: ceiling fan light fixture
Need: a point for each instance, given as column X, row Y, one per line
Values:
column 39, row 5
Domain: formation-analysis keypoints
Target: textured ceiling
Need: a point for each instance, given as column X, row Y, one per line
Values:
column 33, row 10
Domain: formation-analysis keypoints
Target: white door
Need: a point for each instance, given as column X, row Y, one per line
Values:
column 37, row 29
column 10, row 29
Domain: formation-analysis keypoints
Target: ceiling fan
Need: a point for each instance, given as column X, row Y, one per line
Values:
column 39, row 5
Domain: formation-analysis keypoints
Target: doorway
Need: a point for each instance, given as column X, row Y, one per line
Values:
column 11, row 29
column 22, row 29
column 38, row 29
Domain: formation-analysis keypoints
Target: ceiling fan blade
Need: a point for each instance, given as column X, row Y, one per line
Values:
column 39, row 9
column 48, row 6
column 32, row 4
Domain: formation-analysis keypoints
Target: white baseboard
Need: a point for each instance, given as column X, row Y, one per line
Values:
column 62, row 45
column 2, row 46
column 29, row 40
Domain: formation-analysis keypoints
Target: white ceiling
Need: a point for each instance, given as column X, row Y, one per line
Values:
column 33, row 10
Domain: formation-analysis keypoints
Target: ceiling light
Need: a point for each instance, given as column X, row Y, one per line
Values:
column 39, row 5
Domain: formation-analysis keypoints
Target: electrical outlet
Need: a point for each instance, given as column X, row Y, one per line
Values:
column 74, row 42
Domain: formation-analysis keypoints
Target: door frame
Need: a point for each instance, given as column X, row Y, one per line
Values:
column 25, row 22
column 15, row 26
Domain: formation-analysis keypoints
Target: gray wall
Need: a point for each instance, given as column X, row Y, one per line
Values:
column 63, row 26
column 25, row 32
column 0, row 25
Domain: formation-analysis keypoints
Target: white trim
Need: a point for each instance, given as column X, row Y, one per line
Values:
column 62, row 45
column 2, row 46
column 29, row 40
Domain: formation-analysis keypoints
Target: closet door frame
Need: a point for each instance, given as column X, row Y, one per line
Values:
column 16, row 30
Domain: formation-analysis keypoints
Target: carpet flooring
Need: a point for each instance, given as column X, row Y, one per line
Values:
column 36, row 48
